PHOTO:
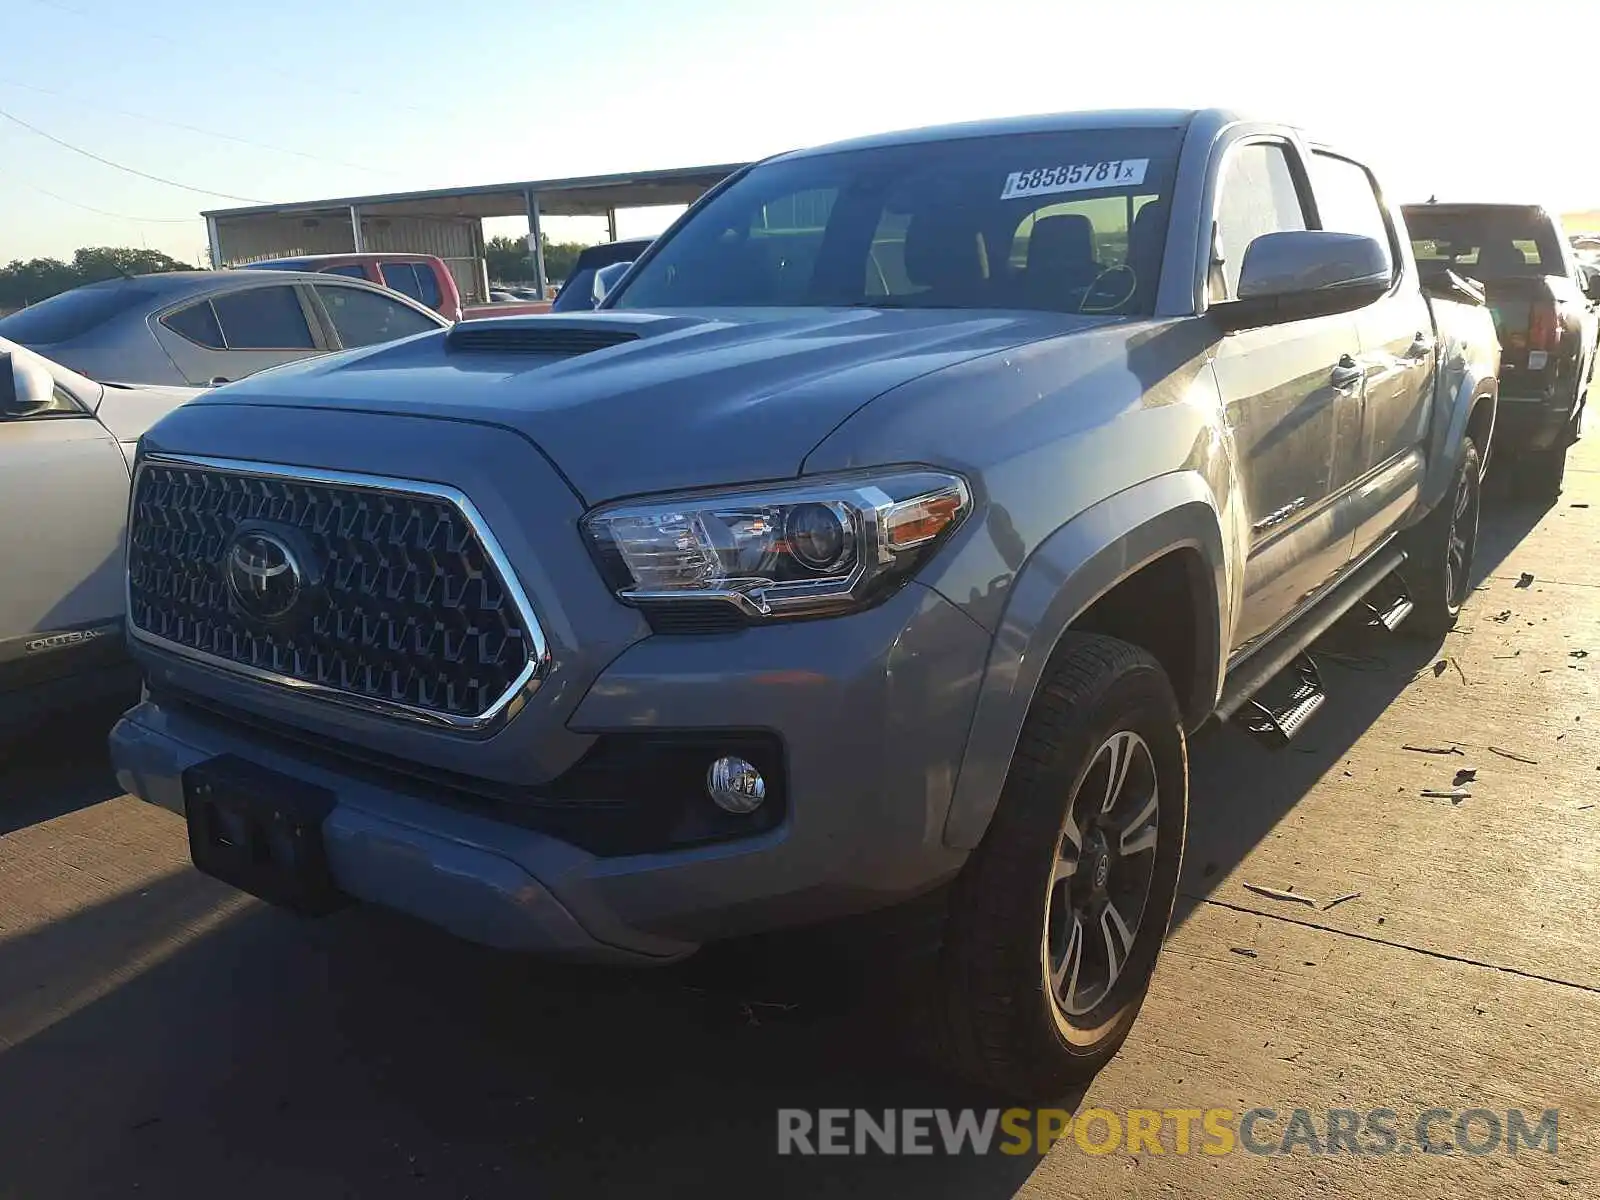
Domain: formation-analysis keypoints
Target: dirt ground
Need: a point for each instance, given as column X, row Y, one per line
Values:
column 161, row 1035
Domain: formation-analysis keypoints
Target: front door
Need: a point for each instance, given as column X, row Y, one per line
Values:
column 63, row 505
column 1293, row 400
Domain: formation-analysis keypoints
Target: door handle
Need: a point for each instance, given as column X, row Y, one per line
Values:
column 217, row 381
column 1347, row 374
column 1421, row 346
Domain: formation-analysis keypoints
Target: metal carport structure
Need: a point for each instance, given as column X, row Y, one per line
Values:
column 447, row 222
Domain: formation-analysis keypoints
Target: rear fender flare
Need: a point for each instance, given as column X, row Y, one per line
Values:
column 1476, row 382
column 1070, row 570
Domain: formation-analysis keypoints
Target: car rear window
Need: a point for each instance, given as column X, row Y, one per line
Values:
column 1487, row 243
column 1034, row 221
column 71, row 314
column 349, row 270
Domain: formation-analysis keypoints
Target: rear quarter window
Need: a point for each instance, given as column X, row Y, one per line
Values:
column 198, row 323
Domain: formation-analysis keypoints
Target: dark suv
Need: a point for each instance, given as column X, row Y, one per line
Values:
column 1541, row 302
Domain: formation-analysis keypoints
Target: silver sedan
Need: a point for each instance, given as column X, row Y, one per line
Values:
column 198, row 328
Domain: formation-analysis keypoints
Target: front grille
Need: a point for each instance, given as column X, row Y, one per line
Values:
column 402, row 608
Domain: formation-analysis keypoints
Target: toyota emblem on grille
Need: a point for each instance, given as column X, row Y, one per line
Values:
column 263, row 575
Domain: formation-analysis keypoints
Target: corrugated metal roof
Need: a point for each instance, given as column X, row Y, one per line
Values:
column 590, row 195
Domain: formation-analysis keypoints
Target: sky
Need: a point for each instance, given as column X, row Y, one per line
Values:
column 307, row 99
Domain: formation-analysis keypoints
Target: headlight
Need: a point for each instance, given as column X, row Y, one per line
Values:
column 809, row 549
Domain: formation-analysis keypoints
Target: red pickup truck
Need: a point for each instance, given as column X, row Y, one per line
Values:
column 423, row 277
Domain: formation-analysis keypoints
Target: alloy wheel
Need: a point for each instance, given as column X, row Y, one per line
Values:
column 1100, row 878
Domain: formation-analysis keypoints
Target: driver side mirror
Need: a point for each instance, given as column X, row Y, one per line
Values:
column 606, row 278
column 1303, row 273
column 26, row 388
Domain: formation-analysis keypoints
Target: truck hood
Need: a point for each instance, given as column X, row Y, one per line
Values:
column 681, row 400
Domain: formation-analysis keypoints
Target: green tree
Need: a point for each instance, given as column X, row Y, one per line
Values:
column 23, row 283
column 508, row 260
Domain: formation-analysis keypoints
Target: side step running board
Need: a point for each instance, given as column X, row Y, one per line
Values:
column 1392, row 607
column 1251, row 675
column 1276, row 724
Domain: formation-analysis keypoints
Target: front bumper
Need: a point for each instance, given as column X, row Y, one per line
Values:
column 872, row 711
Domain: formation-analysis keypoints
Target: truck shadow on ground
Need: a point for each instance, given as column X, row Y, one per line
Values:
column 365, row 1055
column 57, row 767
column 1241, row 790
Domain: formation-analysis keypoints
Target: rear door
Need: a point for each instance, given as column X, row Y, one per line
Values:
column 1385, row 463
column 63, row 502
column 229, row 335
column 1292, row 393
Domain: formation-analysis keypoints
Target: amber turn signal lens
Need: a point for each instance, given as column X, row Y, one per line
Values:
column 922, row 519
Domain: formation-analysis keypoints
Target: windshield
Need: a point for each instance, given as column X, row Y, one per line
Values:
column 1486, row 243
column 71, row 314
column 1065, row 222
column 576, row 293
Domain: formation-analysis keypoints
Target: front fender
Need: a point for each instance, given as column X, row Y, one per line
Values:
column 1069, row 571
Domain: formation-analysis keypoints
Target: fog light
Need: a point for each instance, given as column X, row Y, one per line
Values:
column 735, row 786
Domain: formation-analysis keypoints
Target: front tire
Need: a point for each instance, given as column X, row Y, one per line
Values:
column 1441, row 549
column 1057, row 919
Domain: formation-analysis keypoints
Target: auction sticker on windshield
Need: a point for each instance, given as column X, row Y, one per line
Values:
column 1080, row 177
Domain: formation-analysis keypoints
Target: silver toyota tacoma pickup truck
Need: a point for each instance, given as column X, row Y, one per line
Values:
column 882, row 535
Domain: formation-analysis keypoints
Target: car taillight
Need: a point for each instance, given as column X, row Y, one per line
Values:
column 1544, row 329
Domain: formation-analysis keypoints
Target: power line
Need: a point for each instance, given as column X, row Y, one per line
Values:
column 119, row 166
column 320, row 81
column 227, row 137
column 105, row 213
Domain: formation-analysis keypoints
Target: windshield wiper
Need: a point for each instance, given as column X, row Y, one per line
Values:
column 885, row 302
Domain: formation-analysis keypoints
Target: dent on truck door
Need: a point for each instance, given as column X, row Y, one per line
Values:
column 1385, row 465
column 1293, row 398
column 1288, row 411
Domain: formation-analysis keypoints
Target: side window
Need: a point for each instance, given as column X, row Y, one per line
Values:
column 428, row 287
column 886, row 258
column 1258, row 195
column 263, row 318
column 402, row 277
column 349, row 270
column 198, row 323
column 60, row 404
column 1347, row 201
column 363, row 318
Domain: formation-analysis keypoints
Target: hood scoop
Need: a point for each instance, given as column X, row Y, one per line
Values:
column 532, row 336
